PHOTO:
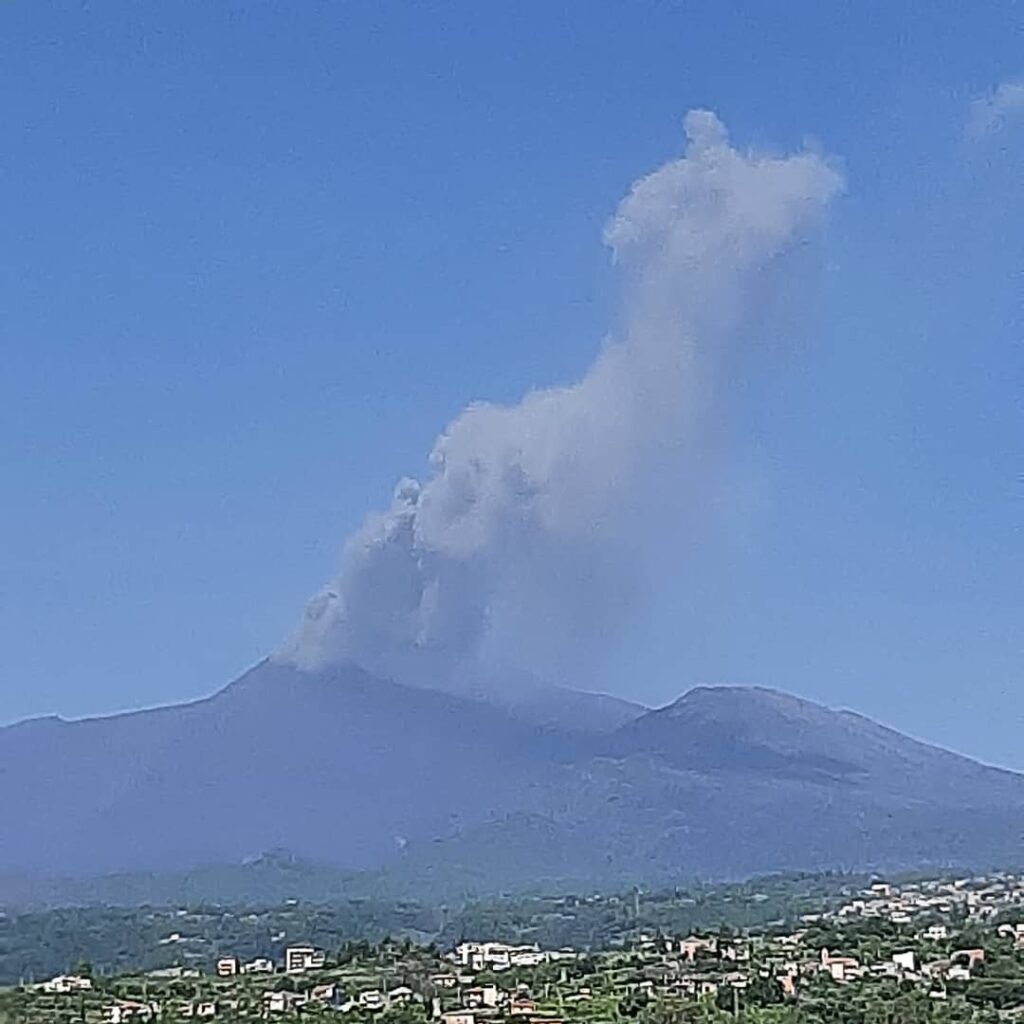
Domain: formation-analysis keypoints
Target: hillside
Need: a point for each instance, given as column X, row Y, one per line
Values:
column 432, row 790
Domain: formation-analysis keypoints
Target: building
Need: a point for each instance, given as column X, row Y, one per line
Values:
column 126, row 1010
column 970, row 957
column 65, row 984
column 905, row 961
column 483, row 996
column 372, row 999
column 691, row 947
column 497, row 956
column 522, row 1006
column 173, row 972
column 227, row 967
column 842, row 968
column 299, row 959
column 458, row 1017
column 283, row 1002
column 327, row 994
column 261, row 965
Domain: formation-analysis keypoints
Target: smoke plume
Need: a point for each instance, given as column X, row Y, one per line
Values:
column 537, row 524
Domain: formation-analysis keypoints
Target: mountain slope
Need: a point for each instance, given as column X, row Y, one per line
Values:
column 443, row 790
column 757, row 729
column 341, row 766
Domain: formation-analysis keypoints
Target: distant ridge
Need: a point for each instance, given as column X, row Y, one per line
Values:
column 423, row 788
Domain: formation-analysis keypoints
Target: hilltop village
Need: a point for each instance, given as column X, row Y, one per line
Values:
column 949, row 950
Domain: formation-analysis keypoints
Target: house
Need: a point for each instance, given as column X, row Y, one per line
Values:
column 126, row 1010
column 521, row 1006
column 173, row 972
column 730, row 951
column 697, row 986
column 283, row 1002
column 936, row 932
column 525, row 956
column 692, row 946
column 324, row 994
column 582, row 996
column 935, row 969
column 480, row 997
column 842, row 968
column 372, row 999
column 968, row 957
column 471, row 954
column 299, row 959
column 400, row 996
column 498, row 956
column 458, row 1017
column 227, row 966
column 65, row 984
column 906, row 961
column 261, row 965
column 444, row 980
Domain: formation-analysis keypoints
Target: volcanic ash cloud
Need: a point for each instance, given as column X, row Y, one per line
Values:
column 536, row 523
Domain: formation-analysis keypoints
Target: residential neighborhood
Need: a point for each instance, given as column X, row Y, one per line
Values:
column 952, row 948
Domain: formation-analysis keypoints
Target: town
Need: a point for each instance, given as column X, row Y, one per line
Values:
column 942, row 949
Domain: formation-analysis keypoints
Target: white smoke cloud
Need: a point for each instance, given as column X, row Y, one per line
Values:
column 989, row 113
column 537, row 522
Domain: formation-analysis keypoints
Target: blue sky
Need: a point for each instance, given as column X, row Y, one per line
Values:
column 255, row 256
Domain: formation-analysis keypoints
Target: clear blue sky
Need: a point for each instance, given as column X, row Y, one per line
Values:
column 255, row 256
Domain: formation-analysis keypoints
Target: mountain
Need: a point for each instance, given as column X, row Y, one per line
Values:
column 754, row 729
column 415, row 788
column 557, row 707
column 339, row 766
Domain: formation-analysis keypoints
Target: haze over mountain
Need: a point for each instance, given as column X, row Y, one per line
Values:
column 430, row 788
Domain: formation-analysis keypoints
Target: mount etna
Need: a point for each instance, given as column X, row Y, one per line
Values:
column 345, row 769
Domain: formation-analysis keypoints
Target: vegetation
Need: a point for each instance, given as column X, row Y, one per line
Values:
column 38, row 944
column 774, row 951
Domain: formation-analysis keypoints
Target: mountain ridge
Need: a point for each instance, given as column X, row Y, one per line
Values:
column 425, row 786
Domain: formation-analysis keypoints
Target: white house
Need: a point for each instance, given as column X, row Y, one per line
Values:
column 261, row 965
column 299, row 959
column 227, row 966
column 906, row 961
column 282, row 1002
column 126, row 1010
column 65, row 984
column 498, row 956
column 480, row 997
column 458, row 1017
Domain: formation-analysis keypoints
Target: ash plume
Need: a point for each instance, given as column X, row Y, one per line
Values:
column 537, row 524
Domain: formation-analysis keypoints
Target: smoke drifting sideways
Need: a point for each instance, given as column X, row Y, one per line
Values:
column 540, row 524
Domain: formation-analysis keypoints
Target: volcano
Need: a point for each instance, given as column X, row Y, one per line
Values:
column 347, row 769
